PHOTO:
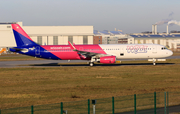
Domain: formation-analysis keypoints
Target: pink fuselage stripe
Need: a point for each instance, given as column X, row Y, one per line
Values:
column 65, row 52
column 18, row 29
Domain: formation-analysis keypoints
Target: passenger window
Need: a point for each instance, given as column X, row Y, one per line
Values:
column 121, row 54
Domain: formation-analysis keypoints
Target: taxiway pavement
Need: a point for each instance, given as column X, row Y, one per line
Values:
column 54, row 63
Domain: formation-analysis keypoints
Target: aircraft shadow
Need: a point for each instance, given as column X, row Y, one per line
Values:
column 73, row 64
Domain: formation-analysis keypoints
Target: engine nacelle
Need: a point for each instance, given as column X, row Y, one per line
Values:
column 108, row 59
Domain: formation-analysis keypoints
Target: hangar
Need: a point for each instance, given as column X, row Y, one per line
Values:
column 48, row 35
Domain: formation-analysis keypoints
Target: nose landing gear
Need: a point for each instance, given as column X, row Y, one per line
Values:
column 154, row 60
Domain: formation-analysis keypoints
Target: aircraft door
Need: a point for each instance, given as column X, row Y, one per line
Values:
column 81, row 49
column 154, row 49
column 37, row 51
column 121, row 51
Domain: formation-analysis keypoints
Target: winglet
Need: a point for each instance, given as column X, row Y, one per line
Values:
column 72, row 47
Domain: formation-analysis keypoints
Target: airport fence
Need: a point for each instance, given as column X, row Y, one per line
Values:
column 152, row 103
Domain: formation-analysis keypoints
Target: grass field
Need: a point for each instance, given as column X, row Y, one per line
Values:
column 32, row 86
column 21, row 87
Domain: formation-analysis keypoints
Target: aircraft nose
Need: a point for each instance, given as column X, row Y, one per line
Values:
column 170, row 53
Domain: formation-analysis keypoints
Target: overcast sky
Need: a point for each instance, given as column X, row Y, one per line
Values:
column 130, row 16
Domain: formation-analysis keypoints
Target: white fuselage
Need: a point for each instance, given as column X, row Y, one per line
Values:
column 136, row 51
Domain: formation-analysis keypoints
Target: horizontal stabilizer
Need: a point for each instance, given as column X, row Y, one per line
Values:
column 17, row 49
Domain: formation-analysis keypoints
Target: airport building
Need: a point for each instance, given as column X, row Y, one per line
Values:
column 114, row 37
column 97, row 39
column 171, row 41
column 48, row 35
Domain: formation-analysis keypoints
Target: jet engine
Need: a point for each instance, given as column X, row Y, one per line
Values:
column 108, row 59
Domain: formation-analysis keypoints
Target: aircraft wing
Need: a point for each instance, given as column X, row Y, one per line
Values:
column 90, row 54
column 86, row 53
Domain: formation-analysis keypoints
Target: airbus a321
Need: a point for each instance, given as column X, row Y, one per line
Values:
column 103, row 53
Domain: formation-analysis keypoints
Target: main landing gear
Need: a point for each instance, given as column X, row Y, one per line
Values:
column 91, row 64
column 93, row 59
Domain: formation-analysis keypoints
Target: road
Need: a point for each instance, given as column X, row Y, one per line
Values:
column 170, row 109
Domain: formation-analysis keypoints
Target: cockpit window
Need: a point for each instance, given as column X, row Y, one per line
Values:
column 163, row 48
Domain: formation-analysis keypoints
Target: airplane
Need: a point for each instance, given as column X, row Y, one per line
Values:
column 102, row 53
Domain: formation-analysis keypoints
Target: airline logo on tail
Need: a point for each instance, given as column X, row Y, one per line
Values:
column 22, row 39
